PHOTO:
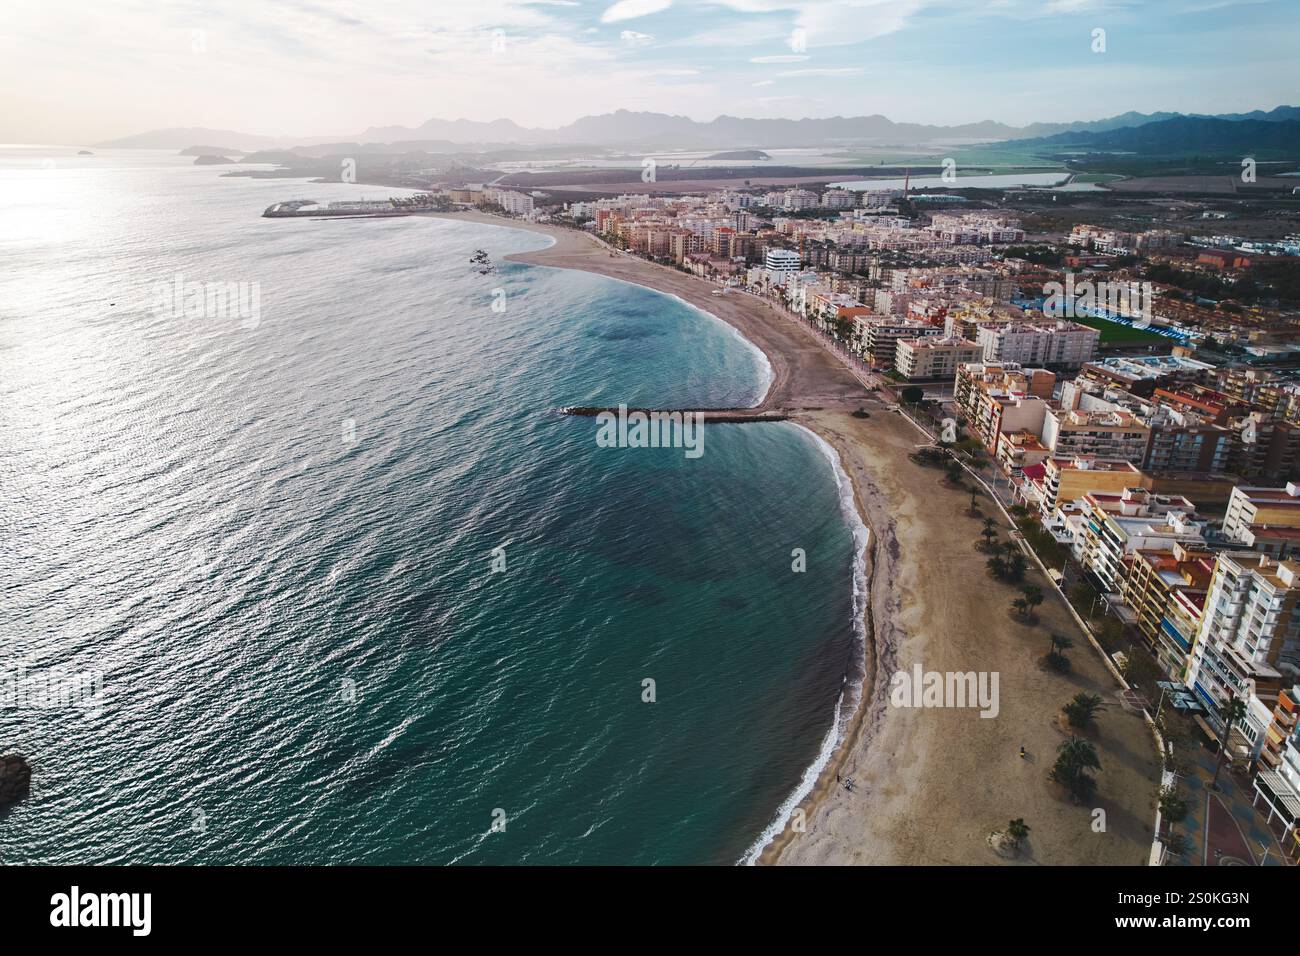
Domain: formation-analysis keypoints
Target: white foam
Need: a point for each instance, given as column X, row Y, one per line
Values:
column 850, row 695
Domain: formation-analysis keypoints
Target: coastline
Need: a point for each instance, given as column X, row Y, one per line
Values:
column 804, row 376
column 930, row 784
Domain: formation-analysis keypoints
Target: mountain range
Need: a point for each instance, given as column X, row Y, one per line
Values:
column 628, row 129
column 1187, row 135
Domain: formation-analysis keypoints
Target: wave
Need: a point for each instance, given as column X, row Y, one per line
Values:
column 851, row 695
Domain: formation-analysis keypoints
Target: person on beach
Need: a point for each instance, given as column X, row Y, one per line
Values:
column 1022, row 751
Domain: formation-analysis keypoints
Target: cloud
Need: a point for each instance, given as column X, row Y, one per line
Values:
column 631, row 9
column 781, row 58
column 634, row 38
column 763, row 83
column 825, row 71
column 836, row 22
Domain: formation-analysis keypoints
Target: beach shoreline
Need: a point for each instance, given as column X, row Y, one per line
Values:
column 812, row 380
column 930, row 784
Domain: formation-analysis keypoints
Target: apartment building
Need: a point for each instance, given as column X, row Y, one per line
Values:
column 997, row 398
column 515, row 203
column 1257, row 509
column 1046, row 344
column 933, row 357
column 1249, row 642
column 1017, row 451
column 1187, row 446
column 1265, row 445
column 1277, row 783
column 1105, row 434
column 880, row 336
column 839, row 199
column 1166, row 590
column 1117, row 525
column 784, row 261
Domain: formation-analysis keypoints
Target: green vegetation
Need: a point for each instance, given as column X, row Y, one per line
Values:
column 1083, row 709
column 1008, row 563
column 1230, row 711
column 1056, row 656
column 1075, row 757
column 1013, row 837
column 1040, row 255
column 1122, row 334
column 1269, row 279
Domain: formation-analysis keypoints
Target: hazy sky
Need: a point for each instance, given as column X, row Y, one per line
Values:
column 84, row 71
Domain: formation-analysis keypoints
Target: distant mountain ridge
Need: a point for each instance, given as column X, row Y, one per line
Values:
column 1188, row 134
column 626, row 128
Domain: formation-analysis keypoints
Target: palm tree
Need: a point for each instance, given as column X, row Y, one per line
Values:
column 1074, row 758
column 1230, row 711
column 1083, row 709
column 1017, row 830
column 1020, row 606
column 1056, row 656
column 989, row 533
column 1016, row 566
column 997, row 566
column 1033, row 595
column 1173, row 808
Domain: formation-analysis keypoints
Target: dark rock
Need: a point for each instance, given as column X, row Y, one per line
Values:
column 15, row 778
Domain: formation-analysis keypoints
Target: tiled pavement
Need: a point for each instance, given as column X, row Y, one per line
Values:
column 1234, row 831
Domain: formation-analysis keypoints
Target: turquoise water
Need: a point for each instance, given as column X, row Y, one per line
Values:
column 273, row 542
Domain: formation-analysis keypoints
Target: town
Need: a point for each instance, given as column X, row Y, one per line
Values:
column 1147, row 447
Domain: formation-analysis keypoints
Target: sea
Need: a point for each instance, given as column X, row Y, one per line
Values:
column 300, row 564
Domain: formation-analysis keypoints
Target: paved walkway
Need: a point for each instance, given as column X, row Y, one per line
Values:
column 1222, row 828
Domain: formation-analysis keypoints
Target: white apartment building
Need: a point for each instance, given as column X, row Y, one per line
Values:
column 781, row 261
column 1040, row 343
column 879, row 337
column 1265, row 507
column 933, row 357
column 1117, row 525
column 838, row 199
column 516, row 204
column 1250, row 632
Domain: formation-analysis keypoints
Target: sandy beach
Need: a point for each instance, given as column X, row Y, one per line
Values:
column 931, row 783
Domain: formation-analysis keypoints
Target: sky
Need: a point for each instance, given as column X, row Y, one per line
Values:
column 82, row 71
